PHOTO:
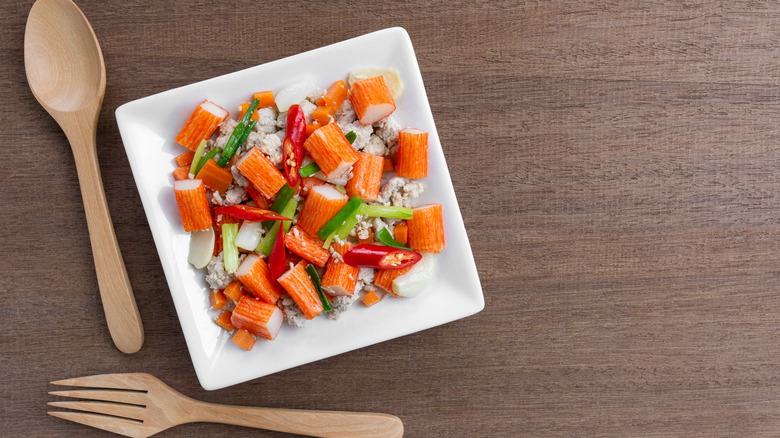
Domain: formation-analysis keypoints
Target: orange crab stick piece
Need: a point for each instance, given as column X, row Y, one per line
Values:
column 384, row 277
column 366, row 177
column 331, row 150
column 426, row 228
column 193, row 204
column 258, row 318
column 321, row 205
column 307, row 246
column 261, row 172
column 201, row 124
column 214, row 177
column 372, row 100
column 340, row 278
column 412, row 153
column 255, row 275
column 298, row 284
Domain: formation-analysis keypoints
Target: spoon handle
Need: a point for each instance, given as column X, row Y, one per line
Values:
column 124, row 321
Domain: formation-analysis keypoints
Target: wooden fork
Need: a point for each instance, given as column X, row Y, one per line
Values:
column 141, row 405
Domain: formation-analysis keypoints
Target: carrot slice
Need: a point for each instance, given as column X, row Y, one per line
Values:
column 340, row 278
column 388, row 165
column 372, row 100
column 193, row 204
column 335, row 96
column 242, row 110
column 298, row 284
column 372, row 297
column 214, row 177
column 322, row 115
column 426, row 228
column 366, row 177
column 233, row 291
column 307, row 246
column 185, row 159
column 400, row 233
column 223, row 320
column 244, row 339
column 311, row 127
column 331, row 150
column 201, row 124
column 257, row 317
column 321, row 205
column 261, row 173
column 181, row 173
column 255, row 275
column 412, row 153
column 266, row 98
column 217, row 299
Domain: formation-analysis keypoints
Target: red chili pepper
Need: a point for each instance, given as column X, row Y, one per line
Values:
column 292, row 149
column 249, row 213
column 278, row 259
column 380, row 257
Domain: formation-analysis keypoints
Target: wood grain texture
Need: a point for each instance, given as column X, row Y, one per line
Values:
column 615, row 163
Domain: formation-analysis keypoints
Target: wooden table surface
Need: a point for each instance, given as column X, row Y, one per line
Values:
column 615, row 164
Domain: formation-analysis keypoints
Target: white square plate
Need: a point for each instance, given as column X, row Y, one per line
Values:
column 148, row 127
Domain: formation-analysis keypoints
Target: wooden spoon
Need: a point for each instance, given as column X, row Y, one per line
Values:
column 67, row 75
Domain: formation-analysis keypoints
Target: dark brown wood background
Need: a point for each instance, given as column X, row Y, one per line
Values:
column 616, row 164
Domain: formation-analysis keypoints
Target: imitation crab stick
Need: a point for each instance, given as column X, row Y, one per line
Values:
column 366, row 177
column 201, row 124
column 243, row 339
column 214, row 177
column 181, row 173
column 300, row 287
column 257, row 317
column 223, row 320
column 412, row 153
column 340, row 278
column 185, row 159
column 331, row 150
column 193, row 204
column 261, row 173
column 321, row 205
column 308, row 183
column 372, row 100
column 426, row 228
column 307, row 246
column 384, row 277
column 255, row 275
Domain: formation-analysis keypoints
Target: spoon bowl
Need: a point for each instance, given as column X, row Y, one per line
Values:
column 67, row 76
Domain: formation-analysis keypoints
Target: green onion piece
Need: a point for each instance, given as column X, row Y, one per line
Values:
column 240, row 139
column 338, row 220
column 196, row 158
column 250, row 111
column 315, row 278
column 326, row 245
column 209, row 155
column 351, row 137
column 309, row 170
column 282, row 198
column 349, row 223
column 229, row 248
column 266, row 245
column 384, row 236
column 388, row 212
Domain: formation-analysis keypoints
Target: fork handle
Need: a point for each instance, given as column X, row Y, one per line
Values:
column 303, row 422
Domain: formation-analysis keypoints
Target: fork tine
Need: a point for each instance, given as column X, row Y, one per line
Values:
column 136, row 398
column 119, row 410
column 121, row 426
column 113, row 381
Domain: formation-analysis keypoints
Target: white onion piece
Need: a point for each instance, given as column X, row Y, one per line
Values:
column 249, row 235
column 392, row 78
column 340, row 181
column 293, row 94
column 201, row 247
column 417, row 279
